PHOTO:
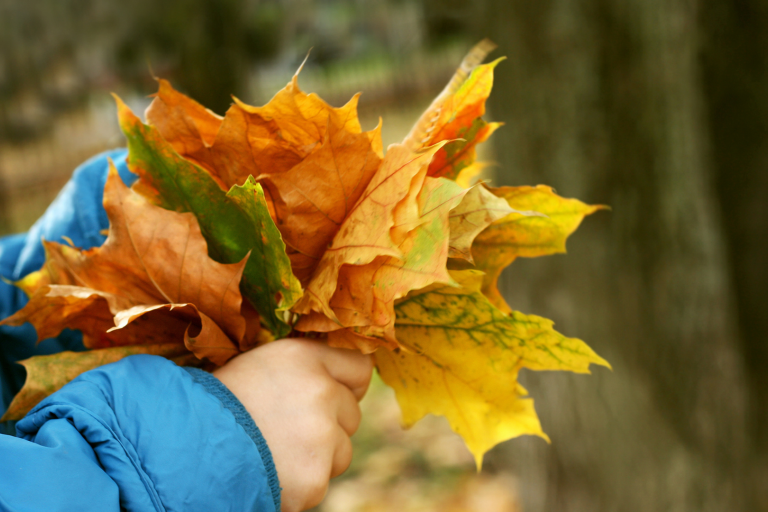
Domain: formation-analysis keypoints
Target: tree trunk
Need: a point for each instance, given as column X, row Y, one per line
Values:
column 603, row 100
column 735, row 72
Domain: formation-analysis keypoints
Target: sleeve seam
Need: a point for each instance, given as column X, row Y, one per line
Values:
column 230, row 402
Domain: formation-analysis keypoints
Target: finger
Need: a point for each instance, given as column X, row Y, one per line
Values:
column 348, row 414
column 342, row 457
column 348, row 367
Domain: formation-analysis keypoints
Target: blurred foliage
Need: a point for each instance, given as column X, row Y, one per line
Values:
column 55, row 53
column 202, row 45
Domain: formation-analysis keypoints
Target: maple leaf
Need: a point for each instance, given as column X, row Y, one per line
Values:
column 366, row 294
column 363, row 302
column 48, row 374
column 522, row 234
column 187, row 125
column 477, row 210
column 234, row 223
column 314, row 160
column 154, row 262
column 461, row 357
column 456, row 115
column 388, row 209
column 468, row 174
column 54, row 307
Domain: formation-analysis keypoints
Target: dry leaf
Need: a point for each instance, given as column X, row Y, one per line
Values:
column 152, row 257
column 456, row 116
column 234, row 223
column 477, row 210
column 365, row 233
column 528, row 236
column 366, row 295
column 461, row 358
column 48, row 374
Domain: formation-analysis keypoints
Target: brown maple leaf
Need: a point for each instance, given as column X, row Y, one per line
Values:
column 151, row 280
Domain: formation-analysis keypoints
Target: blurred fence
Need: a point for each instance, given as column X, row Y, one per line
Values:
column 32, row 173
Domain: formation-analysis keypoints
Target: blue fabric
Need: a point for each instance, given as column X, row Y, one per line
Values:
column 139, row 434
column 76, row 213
column 136, row 435
column 244, row 419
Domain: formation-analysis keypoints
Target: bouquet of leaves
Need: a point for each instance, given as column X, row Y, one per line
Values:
column 288, row 219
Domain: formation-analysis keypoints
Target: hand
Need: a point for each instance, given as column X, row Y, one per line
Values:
column 303, row 395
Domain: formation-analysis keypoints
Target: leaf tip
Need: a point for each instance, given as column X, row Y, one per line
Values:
column 496, row 62
column 119, row 101
column 479, row 461
column 296, row 74
column 602, row 362
column 598, row 207
column 9, row 416
column 125, row 115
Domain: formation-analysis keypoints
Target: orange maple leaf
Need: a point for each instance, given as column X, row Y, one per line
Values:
column 456, row 115
column 151, row 280
column 365, row 233
column 313, row 160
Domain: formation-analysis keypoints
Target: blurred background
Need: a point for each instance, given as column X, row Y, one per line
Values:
column 658, row 108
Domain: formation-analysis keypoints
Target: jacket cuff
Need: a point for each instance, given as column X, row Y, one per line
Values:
column 215, row 387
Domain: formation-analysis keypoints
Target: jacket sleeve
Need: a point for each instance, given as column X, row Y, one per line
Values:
column 76, row 213
column 141, row 434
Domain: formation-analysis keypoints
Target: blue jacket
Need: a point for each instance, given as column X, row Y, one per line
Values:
column 141, row 434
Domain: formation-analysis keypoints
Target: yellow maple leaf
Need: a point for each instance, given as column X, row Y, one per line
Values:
column 521, row 234
column 461, row 357
column 477, row 210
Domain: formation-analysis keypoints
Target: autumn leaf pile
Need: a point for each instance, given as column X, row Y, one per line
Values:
column 289, row 219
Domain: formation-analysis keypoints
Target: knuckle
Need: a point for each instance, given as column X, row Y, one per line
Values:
column 316, row 487
column 342, row 457
column 323, row 390
column 325, row 431
column 292, row 347
column 356, row 418
column 364, row 374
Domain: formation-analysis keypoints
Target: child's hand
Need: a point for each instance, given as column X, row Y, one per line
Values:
column 303, row 396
